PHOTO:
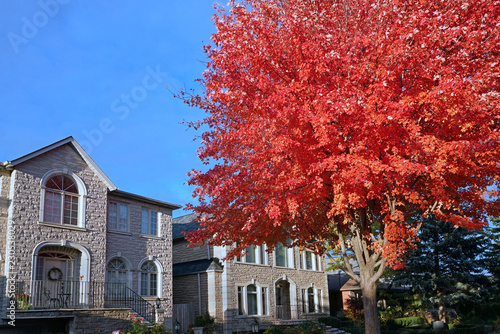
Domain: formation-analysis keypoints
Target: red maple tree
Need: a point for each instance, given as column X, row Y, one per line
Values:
column 347, row 123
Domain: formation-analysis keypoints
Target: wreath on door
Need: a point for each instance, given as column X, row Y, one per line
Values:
column 55, row 274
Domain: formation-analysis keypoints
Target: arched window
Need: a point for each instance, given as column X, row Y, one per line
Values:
column 252, row 300
column 117, row 272
column 116, row 278
column 61, row 201
column 149, row 279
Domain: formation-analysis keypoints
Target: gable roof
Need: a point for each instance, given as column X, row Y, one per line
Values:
column 185, row 223
column 78, row 149
column 197, row 266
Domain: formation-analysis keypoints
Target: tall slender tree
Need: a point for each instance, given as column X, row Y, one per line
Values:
column 348, row 122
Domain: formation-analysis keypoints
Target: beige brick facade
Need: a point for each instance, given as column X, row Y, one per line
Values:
column 30, row 245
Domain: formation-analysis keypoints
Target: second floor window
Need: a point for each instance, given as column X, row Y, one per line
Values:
column 61, row 201
column 254, row 254
column 149, row 223
column 309, row 260
column 283, row 256
column 118, row 216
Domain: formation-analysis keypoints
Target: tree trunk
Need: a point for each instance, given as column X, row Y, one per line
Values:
column 369, row 290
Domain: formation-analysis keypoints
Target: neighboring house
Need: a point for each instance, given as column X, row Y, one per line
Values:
column 341, row 288
column 260, row 288
column 78, row 252
column 339, row 292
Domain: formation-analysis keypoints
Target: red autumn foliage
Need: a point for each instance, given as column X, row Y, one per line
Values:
column 348, row 123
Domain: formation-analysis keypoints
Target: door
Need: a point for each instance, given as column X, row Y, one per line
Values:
column 283, row 310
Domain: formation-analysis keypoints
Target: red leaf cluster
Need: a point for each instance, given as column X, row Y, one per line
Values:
column 328, row 115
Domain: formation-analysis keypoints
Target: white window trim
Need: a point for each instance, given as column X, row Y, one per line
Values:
column 158, row 220
column 318, row 300
column 160, row 271
column 290, row 258
column 316, row 260
column 117, row 229
column 82, row 196
column 259, row 299
column 258, row 250
column 128, row 266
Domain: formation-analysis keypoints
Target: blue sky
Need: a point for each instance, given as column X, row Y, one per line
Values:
column 98, row 71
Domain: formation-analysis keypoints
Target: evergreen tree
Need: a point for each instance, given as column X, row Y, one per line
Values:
column 450, row 266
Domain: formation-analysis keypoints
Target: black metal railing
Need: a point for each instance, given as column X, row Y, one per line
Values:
column 41, row 294
column 119, row 295
column 55, row 294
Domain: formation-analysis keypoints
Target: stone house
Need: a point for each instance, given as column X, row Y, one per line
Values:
column 77, row 252
column 259, row 288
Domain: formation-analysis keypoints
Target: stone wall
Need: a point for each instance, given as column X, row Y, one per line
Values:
column 22, row 188
column 136, row 248
column 25, row 217
column 76, row 321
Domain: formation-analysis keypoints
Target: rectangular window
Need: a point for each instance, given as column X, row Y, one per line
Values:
column 52, row 207
column 70, row 210
column 254, row 254
column 149, row 224
column 153, row 284
column 264, row 301
column 144, row 284
column 118, row 216
column 252, row 300
column 283, row 256
column 320, row 300
column 251, row 258
column 309, row 260
column 310, row 300
column 240, row 301
column 304, row 301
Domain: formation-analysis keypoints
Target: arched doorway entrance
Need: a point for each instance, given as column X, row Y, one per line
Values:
column 59, row 274
column 283, row 307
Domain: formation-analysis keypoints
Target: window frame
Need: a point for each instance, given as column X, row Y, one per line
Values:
column 317, row 299
column 149, row 274
column 118, row 205
column 158, row 219
column 315, row 260
column 261, row 299
column 113, row 274
column 80, row 196
column 259, row 253
column 288, row 253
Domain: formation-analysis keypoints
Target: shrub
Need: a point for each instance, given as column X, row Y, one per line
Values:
column 307, row 327
column 355, row 308
column 275, row 330
column 205, row 321
column 409, row 321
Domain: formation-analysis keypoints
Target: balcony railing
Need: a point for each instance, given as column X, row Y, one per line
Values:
column 80, row 294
